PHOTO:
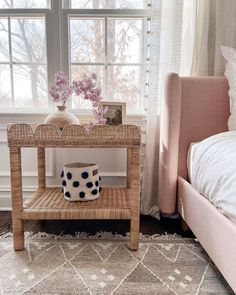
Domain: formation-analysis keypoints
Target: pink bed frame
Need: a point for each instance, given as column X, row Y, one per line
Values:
column 193, row 109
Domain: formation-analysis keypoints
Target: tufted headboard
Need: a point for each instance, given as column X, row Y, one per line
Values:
column 193, row 109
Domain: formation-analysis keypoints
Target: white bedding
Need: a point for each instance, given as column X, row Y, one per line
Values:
column 212, row 171
column 191, row 150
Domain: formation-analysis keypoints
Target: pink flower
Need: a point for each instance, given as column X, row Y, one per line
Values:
column 62, row 90
column 86, row 88
column 94, row 76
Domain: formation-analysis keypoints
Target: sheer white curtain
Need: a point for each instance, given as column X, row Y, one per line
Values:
column 185, row 38
column 150, row 174
column 171, row 42
column 215, row 25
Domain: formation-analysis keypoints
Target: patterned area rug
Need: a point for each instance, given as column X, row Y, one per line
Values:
column 104, row 265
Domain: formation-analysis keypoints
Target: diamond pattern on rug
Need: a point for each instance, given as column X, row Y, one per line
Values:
column 70, row 249
column 105, row 249
column 5, row 248
column 20, row 273
column 168, row 250
column 140, row 253
column 213, row 284
column 142, row 281
column 62, row 281
column 183, row 276
column 102, row 277
column 88, row 267
column 36, row 248
column 198, row 251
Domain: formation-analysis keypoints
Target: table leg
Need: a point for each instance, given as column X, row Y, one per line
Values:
column 41, row 168
column 134, row 231
column 17, row 201
column 128, row 167
column 135, row 198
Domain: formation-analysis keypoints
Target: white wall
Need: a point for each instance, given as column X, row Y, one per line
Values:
column 112, row 162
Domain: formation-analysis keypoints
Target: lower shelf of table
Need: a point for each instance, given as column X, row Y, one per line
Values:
column 49, row 203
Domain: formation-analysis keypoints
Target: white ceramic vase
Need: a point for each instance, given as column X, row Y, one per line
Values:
column 61, row 118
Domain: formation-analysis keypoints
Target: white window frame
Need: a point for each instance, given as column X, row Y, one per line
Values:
column 57, row 47
column 11, row 63
column 106, row 13
column 52, row 27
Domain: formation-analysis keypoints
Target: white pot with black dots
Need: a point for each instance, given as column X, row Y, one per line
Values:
column 81, row 182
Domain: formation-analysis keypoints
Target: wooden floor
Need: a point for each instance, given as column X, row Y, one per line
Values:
column 148, row 226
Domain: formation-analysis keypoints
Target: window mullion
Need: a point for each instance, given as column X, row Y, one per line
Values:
column 87, row 64
column 129, row 13
column 53, row 43
column 65, row 46
column 106, row 60
column 11, row 62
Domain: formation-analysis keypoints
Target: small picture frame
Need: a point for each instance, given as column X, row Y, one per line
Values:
column 116, row 114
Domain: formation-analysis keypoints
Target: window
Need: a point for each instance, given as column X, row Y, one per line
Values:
column 24, row 4
column 23, row 73
column 111, row 47
column 101, row 36
column 23, row 57
column 108, row 4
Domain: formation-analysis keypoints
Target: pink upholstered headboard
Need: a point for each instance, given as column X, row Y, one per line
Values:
column 193, row 109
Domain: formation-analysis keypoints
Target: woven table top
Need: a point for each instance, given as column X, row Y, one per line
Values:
column 29, row 135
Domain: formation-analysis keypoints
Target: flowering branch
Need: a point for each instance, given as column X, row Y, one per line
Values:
column 62, row 90
column 86, row 88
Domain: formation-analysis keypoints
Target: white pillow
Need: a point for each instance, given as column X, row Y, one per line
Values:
column 230, row 73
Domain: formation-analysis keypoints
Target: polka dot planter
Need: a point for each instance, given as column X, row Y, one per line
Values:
column 80, row 182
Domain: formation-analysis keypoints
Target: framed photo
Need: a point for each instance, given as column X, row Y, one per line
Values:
column 116, row 114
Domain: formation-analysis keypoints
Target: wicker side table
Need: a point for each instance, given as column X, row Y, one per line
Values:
column 48, row 202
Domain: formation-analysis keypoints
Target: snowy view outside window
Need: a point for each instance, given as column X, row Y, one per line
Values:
column 6, row 4
column 118, row 63
column 108, row 4
column 111, row 46
column 23, row 75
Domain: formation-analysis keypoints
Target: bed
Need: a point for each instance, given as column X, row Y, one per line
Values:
column 195, row 108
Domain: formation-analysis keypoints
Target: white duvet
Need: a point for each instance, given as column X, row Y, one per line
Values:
column 213, row 171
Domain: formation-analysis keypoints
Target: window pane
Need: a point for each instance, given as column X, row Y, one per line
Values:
column 125, row 40
column 30, row 86
column 28, row 39
column 87, row 40
column 4, row 46
column 5, row 87
column 86, row 4
column 124, row 84
column 6, row 4
column 77, row 72
column 110, row 4
column 137, row 4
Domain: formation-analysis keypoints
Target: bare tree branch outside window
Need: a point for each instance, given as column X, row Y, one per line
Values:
column 120, row 71
column 26, row 57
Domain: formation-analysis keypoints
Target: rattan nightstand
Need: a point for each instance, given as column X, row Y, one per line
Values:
column 48, row 202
